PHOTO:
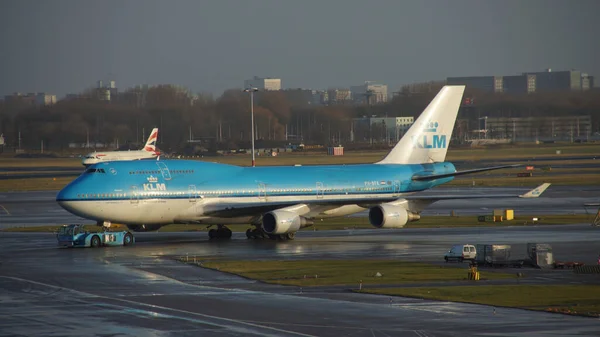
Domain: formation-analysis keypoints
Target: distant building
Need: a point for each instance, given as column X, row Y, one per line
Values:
column 140, row 94
column 380, row 129
column 261, row 83
column 45, row 99
column 370, row 93
column 484, row 83
column 529, row 82
column 339, row 96
column 106, row 92
column 587, row 82
column 559, row 128
column 420, row 88
column 519, row 84
column 305, row 97
column 30, row 99
column 557, row 80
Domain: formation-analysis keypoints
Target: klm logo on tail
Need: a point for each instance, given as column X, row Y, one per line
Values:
column 427, row 140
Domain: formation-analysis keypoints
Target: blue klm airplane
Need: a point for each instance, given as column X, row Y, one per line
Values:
column 277, row 201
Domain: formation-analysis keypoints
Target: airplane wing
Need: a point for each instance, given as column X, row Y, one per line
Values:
column 425, row 176
column 417, row 202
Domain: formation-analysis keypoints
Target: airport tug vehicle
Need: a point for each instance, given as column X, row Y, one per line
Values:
column 75, row 235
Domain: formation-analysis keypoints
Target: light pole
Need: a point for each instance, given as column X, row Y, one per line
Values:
column 252, row 91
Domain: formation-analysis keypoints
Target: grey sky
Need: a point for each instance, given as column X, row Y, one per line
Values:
column 64, row 46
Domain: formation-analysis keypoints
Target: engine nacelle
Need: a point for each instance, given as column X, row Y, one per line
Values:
column 282, row 222
column 391, row 216
column 144, row 228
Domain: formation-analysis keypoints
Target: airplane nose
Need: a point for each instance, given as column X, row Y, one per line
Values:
column 68, row 200
column 65, row 197
column 61, row 197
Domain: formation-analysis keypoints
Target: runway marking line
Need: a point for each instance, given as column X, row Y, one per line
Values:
column 421, row 307
column 5, row 210
column 241, row 322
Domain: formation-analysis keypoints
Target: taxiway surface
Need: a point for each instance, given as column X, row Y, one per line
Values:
column 143, row 291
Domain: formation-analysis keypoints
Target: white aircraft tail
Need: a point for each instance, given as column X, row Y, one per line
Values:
column 151, row 143
column 427, row 139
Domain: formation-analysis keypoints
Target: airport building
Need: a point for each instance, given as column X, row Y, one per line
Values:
column 380, row 129
column 557, row 80
column 266, row 83
column 569, row 80
column 370, row 92
column 560, row 128
column 484, row 83
column 519, row 84
column 587, row 82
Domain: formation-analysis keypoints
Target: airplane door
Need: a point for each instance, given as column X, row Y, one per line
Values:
column 320, row 190
column 164, row 170
column 193, row 196
column 262, row 191
column 396, row 188
column 134, row 195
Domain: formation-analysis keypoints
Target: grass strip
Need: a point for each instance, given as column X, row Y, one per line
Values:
column 570, row 299
column 34, row 184
column 310, row 273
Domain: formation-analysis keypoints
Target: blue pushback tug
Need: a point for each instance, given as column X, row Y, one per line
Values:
column 76, row 235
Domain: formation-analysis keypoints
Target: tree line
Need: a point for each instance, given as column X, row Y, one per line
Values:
column 224, row 122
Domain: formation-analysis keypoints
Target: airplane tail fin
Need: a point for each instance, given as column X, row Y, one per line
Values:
column 427, row 139
column 151, row 143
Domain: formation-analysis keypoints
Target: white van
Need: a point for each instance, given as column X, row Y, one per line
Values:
column 460, row 253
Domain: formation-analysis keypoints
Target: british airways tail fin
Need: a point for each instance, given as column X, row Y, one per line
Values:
column 427, row 139
column 151, row 143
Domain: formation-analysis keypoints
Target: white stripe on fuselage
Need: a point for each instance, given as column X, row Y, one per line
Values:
column 147, row 210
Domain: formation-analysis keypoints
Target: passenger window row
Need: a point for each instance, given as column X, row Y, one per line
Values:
column 100, row 195
column 158, row 172
column 201, row 193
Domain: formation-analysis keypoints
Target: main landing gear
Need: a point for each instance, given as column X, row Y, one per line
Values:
column 258, row 233
column 221, row 232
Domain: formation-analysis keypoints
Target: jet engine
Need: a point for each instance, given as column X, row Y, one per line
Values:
column 391, row 216
column 282, row 222
column 144, row 228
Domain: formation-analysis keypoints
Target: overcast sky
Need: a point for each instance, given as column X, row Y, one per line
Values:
column 65, row 46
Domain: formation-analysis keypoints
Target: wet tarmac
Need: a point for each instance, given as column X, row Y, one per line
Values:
column 143, row 291
column 24, row 209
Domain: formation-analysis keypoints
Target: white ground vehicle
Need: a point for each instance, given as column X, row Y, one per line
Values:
column 460, row 253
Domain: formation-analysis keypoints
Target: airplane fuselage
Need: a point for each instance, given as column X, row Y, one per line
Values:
column 99, row 157
column 181, row 191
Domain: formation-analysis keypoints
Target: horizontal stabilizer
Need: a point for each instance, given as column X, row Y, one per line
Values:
column 425, row 177
column 536, row 192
